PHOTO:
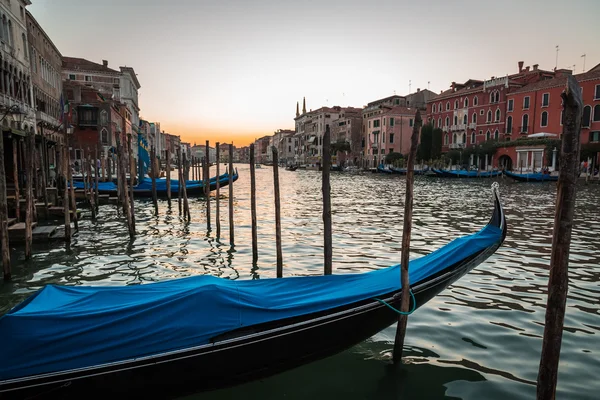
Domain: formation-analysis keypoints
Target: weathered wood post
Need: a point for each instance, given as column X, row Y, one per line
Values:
column 96, row 177
column 277, row 212
column 92, row 194
column 180, row 180
column 231, row 232
column 326, row 188
column 207, row 182
column 154, row 173
column 183, row 188
column 123, row 178
column 253, row 204
column 15, row 145
column 218, row 193
column 67, row 172
column 168, row 172
column 132, row 173
column 29, row 208
column 109, row 165
column 406, row 232
column 73, row 202
column 44, row 171
column 561, row 240
column 4, row 216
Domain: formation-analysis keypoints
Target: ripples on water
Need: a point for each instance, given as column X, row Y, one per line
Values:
column 479, row 339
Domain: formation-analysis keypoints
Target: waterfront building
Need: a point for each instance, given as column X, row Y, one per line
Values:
column 283, row 139
column 348, row 129
column 419, row 99
column 261, row 148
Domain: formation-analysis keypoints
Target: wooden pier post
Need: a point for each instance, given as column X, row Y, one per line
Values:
column 179, row 180
column 207, row 182
column 92, row 195
column 253, row 204
column 4, row 217
column 73, row 202
column 132, row 173
column 183, row 188
column 125, row 194
column 29, row 208
column 168, row 172
column 15, row 145
column 218, row 193
column 44, row 171
column 277, row 212
column 406, row 232
column 326, row 188
column 561, row 241
column 67, row 172
column 96, row 178
column 154, row 173
column 231, row 232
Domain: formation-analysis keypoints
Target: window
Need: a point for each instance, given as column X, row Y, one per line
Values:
column 597, row 93
column 376, row 123
column 596, row 113
column 455, row 104
column 481, row 132
column 509, row 124
column 24, row 39
column 440, row 107
column 489, row 116
column 497, row 115
column 104, row 136
column 466, row 103
column 397, row 101
column 391, row 121
column 446, row 139
column 525, row 123
column 432, row 122
column 544, row 121
column 384, row 121
column 88, row 78
column 454, row 138
column 595, row 136
column 526, row 103
column 585, row 121
column 410, row 122
column 511, row 103
column 383, row 137
column 481, row 112
column 447, row 105
column 473, row 137
column 433, row 108
column 391, row 138
column 71, row 77
column 474, row 118
column 496, row 134
column 447, row 121
column 382, row 151
column 22, row 13
column 475, row 101
column 487, row 135
column 464, row 138
column 545, row 99
column 369, row 124
column 497, row 97
column 465, row 119
column 455, row 120
column 103, row 117
column 491, row 97
column 439, row 122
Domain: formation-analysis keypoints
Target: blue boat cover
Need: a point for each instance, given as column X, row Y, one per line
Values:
column 469, row 174
column 67, row 327
column 535, row 176
column 161, row 184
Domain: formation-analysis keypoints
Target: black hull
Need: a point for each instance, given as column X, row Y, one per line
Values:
column 245, row 354
column 191, row 192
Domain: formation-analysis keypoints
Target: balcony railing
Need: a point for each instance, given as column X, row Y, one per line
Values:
column 458, row 127
column 445, row 128
column 457, row 145
column 473, row 125
column 524, row 129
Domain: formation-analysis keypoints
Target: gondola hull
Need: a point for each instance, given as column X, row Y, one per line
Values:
column 247, row 353
column 531, row 177
column 466, row 174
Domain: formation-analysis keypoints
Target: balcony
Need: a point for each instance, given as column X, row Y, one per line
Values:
column 374, row 145
column 445, row 128
column 524, row 129
column 473, row 125
column 458, row 127
column 457, row 145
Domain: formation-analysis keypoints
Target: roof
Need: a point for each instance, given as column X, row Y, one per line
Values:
column 397, row 110
column 133, row 75
column 385, row 99
column 74, row 63
column 560, row 81
column 448, row 94
column 38, row 26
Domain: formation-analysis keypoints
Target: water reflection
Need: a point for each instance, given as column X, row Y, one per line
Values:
column 479, row 339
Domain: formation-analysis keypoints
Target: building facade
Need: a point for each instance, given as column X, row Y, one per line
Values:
column 347, row 129
column 283, row 139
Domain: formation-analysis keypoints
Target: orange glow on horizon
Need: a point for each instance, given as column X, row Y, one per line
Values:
column 200, row 136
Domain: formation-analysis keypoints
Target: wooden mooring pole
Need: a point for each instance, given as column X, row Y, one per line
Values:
column 253, row 204
column 406, row 232
column 73, row 202
column 125, row 194
column 207, row 182
column 561, row 241
column 30, row 201
column 4, row 217
column 154, row 173
column 132, row 174
column 96, row 178
column 179, row 180
column 218, row 193
column 183, row 188
column 168, row 172
column 92, row 195
column 67, row 172
column 15, row 145
column 231, row 232
column 277, row 212
column 326, row 188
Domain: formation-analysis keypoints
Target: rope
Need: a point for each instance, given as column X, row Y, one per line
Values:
column 414, row 306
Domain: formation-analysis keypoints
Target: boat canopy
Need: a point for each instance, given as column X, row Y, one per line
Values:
column 62, row 328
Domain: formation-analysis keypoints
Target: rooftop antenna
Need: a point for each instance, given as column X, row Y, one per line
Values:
column 583, row 56
column 573, row 67
column 409, row 85
column 428, row 85
column 556, row 65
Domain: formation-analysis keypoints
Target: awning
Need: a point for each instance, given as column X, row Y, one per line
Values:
column 311, row 139
column 13, row 131
column 542, row 135
column 375, row 132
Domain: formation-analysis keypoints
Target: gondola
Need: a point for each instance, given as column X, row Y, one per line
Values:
column 466, row 174
column 291, row 168
column 144, row 189
column 171, row 338
column 382, row 170
column 403, row 171
column 532, row 177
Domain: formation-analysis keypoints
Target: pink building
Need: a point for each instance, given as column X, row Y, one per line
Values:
column 387, row 132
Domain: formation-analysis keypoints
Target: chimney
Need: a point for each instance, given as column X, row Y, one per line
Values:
column 527, row 68
column 453, row 85
column 521, row 66
column 535, row 67
column 418, row 90
column 105, row 63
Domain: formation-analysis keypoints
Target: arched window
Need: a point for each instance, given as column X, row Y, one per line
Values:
column 491, row 97
column 487, row 135
column 472, row 137
column 464, row 138
column 11, row 38
column 475, row 101
column 455, row 104
column 455, row 120
column 489, row 116
column 497, row 115
column 440, row 109
column 447, row 121
column 447, row 105
column 25, row 52
column 104, row 136
column 544, row 120
column 432, row 122
column 454, row 138
column 585, row 121
column 509, row 124
column 4, row 28
column 446, row 139
column 465, row 119
column 474, row 118
column 497, row 98
column 439, row 122
column 496, row 134
column 525, row 124
column 433, row 108
column 103, row 117
column 466, row 102
column 596, row 113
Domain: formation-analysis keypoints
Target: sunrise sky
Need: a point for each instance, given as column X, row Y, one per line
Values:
column 234, row 69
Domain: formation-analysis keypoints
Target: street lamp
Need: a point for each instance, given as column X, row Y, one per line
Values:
column 15, row 112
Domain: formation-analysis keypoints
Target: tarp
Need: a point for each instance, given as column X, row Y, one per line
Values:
column 66, row 327
column 161, row 184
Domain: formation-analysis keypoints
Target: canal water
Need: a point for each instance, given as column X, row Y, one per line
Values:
column 480, row 338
